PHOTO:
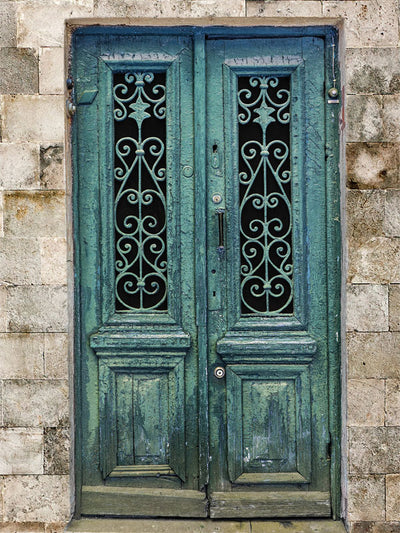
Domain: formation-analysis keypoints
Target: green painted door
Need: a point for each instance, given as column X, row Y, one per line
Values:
column 206, row 258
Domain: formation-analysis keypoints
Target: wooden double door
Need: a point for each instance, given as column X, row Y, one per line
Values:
column 206, row 258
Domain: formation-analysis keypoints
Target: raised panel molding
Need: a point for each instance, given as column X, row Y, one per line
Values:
column 269, row 424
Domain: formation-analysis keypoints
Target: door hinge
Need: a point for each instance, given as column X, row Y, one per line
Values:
column 70, row 104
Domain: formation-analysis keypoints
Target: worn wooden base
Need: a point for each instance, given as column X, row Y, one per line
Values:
column 269, row 504
column 128, row 501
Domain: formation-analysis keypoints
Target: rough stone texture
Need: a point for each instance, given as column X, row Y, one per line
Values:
column 36, row 498
column 161, row 8
column 56, row 355
column 365, row 216
column 46, row 118
column 366, row 499
column 43, row 25
column 392, row 402
column 18, row 71
column 56, row 450
column 19, row 261
column 53, row 253
column 375, row 527
column 374, row 450
column 21, row 451
column 375, row 261
column 372, row 165
column 26, row 403
column 19, row 166
column 373, row 71
column 367, row 308
column 52, row 167
column 391, row 117
column 373, row 355
column 393, row 497
column 8, row 24
column 21, row 355
column 35, row 214
column 26, row 527
column 365, row 118
column 51, row 76
column 391, row 226
column 367, row 24
column 394, row 307
column 366, row 402
column 37, row 308
column 291, row 8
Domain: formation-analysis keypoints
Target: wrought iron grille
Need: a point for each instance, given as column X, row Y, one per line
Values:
column 265, row 195
column 140, row 191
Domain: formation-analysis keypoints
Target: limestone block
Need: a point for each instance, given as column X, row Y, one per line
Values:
column 8, row 24
column 365, row 118
column 366, row 497
column 19, row 261
column 367, row 24
column 34, row 214
column 36, row 498
column 56, row 450
column 26, row 527
column 392, row 402
column 374, row 527
column 373, row 355
column 21, row 451
column 394, row 307
column 42, row 24
column 284, row 8
column 51, row 70
column 56, row 355
column 3, row 308
column 391, row 117
column 175, row 8
column 366, row 402
column 21, row 355
column 37, row 309
column 374, row 450
column 373, row 70
column 367, row 308
column 52, row 166
column 393, row 497
column 35, row 403
column 392, row 214
column 365, row 214
column 376, row 261
column 19, row 166
column 372, row 165
column 18, row 71
column 33, row 118
column 53, row 253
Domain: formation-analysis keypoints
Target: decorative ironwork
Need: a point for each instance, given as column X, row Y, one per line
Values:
column 140, row 192
column 265, row 195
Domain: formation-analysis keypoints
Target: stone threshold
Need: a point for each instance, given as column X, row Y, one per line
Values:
column 150, row 525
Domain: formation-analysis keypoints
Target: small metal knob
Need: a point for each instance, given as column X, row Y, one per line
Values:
column 219, row 372
column 333, row 92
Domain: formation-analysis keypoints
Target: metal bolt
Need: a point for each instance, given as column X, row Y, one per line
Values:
column 219, row 372
column 217, row 198
column 333, row 92
column 70, row 84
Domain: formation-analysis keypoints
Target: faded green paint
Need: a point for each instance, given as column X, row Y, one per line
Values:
column 157, row 432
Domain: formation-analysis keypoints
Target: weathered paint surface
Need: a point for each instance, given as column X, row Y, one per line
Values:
column 149, row 374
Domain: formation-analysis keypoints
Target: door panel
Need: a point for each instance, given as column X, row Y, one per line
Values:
column 200, row 218
column 265, row 102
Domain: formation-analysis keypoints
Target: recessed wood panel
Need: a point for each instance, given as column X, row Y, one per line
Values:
column 269, row 423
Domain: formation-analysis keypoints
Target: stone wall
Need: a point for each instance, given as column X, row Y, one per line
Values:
column 34, row 389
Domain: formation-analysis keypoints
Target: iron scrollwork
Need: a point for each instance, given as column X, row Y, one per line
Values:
column 265, row 195
column 140, row 191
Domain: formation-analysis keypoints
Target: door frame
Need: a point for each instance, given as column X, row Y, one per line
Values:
column 199, row 30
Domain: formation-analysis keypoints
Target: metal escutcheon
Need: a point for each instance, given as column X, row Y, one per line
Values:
column 219, row 372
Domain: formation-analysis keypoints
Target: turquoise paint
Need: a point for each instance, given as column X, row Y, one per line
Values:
column 184, row 345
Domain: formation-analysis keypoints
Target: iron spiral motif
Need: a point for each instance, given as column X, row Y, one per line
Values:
column 265, row 195
column 140, row 191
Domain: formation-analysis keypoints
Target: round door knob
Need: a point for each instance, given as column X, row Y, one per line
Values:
column 219, row 372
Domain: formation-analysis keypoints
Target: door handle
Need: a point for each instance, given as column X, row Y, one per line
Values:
column 221, row 230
